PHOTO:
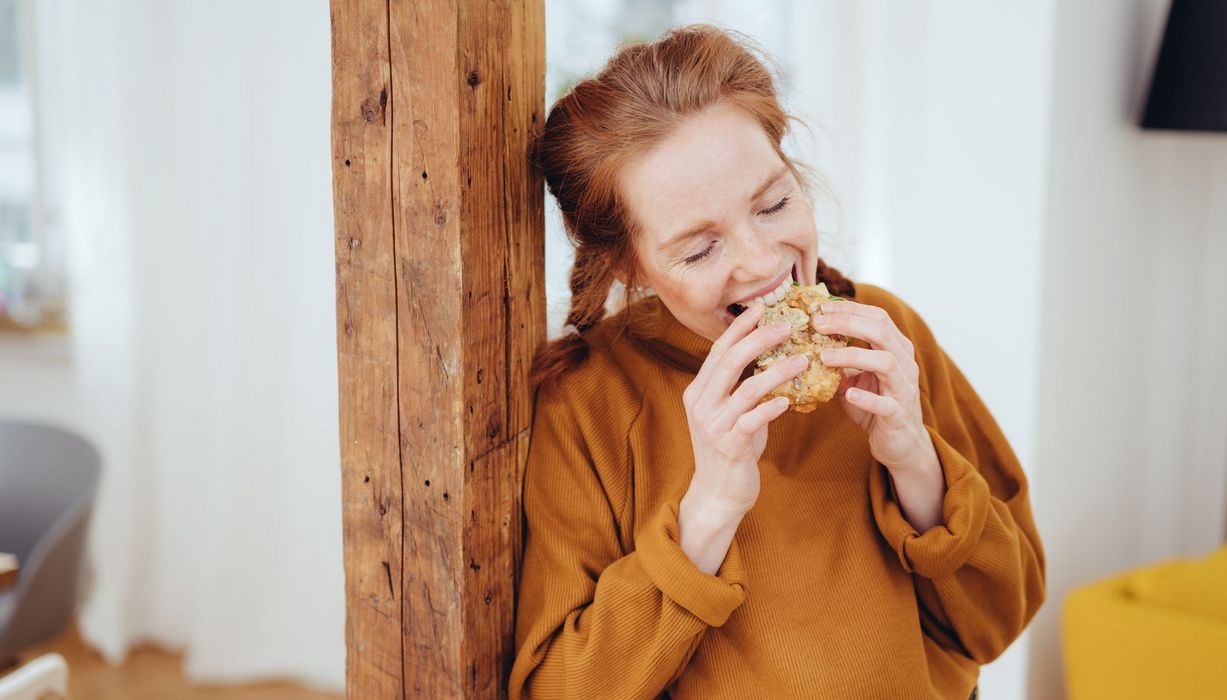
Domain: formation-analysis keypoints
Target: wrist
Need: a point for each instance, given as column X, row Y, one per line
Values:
column 705, row 533
column 707, row 515
column 705, row 499
column 922, row 463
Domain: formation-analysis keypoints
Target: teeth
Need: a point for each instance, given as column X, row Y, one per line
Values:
column 774, row 296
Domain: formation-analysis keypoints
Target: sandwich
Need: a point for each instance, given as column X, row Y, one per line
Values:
column 817, row 383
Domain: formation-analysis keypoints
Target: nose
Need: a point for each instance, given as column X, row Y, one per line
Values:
column 754, row 259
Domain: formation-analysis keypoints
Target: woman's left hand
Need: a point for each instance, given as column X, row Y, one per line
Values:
column 880, row 390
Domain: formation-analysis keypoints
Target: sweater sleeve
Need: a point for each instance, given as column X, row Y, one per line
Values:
column 593, row 620
column 979, row 574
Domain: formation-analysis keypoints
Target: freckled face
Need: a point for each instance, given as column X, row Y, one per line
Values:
column 722, row 219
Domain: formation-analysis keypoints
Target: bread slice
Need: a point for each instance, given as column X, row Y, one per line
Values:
column 817, row 383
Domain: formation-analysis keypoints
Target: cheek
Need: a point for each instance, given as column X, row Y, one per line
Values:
column 698, row 295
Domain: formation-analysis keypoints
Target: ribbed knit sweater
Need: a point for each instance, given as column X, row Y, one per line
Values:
column 826, row 591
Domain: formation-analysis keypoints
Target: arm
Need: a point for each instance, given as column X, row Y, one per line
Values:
column 979, row 571
column 592, row 619
column 920, row 491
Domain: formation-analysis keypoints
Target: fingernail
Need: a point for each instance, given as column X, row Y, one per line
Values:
column 820, row 321
column 827, row 355
column 781, row 327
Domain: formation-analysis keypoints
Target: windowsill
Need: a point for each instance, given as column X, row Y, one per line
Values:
column 35, row 346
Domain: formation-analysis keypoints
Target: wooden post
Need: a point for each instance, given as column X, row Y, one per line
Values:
column 440, row 305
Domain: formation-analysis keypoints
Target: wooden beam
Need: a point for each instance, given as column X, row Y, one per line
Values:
column 440, row 304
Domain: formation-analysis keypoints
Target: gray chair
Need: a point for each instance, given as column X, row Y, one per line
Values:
column 48, row 478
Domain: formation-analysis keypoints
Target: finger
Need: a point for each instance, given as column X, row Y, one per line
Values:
column 870, row 402
column 870, row 312
column 857, row 379
column 881, row 334
column 755, row 388
column 882, row 363
column 847, row 306
column 753, row 421
column 727, row 371
column 741, row 326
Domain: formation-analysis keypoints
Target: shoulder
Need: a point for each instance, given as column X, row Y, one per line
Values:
column 607, row 370
column 581, row 426
column 599, row 398
column 617, row 367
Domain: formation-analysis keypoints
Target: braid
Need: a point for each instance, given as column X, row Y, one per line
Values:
column 590, row 282
column 835, row 281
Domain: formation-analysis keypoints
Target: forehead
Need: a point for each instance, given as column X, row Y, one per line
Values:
column 709, row 165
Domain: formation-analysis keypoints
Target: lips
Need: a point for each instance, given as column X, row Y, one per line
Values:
column 769, row 295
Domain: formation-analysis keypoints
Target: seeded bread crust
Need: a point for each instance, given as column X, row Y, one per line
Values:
column 817, row 383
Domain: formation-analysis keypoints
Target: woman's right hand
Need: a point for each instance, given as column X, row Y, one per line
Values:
column 728, row 425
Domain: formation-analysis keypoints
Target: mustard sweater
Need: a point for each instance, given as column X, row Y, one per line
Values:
column 826, row 591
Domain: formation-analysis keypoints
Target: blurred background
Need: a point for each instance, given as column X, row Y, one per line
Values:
column 166, row 287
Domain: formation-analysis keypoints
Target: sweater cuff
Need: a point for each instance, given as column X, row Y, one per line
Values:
column 945, row 547
column 710, row 598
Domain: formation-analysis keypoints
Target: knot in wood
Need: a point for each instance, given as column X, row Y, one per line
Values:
column 372, row 109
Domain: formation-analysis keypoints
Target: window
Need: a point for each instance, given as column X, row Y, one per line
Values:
column 31, row 268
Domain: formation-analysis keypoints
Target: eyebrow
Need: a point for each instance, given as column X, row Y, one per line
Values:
column 702, row 226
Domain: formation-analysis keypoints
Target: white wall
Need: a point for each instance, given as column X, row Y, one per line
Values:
column 1131, row 446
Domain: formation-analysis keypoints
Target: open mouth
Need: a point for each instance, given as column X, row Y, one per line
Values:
column 737, row 309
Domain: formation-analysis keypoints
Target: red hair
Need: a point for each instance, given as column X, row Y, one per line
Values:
column 641, row 95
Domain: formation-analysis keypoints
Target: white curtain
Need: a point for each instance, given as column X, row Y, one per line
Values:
column 188, row 164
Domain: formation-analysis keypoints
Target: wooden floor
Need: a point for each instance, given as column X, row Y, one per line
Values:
column 150, row 674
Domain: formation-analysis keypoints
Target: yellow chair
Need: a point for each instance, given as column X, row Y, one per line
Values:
column 1156, row 632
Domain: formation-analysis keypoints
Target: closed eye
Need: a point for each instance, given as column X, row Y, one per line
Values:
column 777, row 208
column 700, row 255
column 774, row 209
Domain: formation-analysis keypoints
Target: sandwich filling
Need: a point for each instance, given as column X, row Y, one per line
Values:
column 795, row 306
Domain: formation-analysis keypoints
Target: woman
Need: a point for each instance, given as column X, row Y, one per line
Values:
column 684, row 539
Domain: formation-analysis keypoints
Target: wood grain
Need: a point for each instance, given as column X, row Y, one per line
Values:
column 371, row 485
column 465, row 91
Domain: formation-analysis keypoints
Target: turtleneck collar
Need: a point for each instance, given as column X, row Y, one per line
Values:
column 650, row 323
